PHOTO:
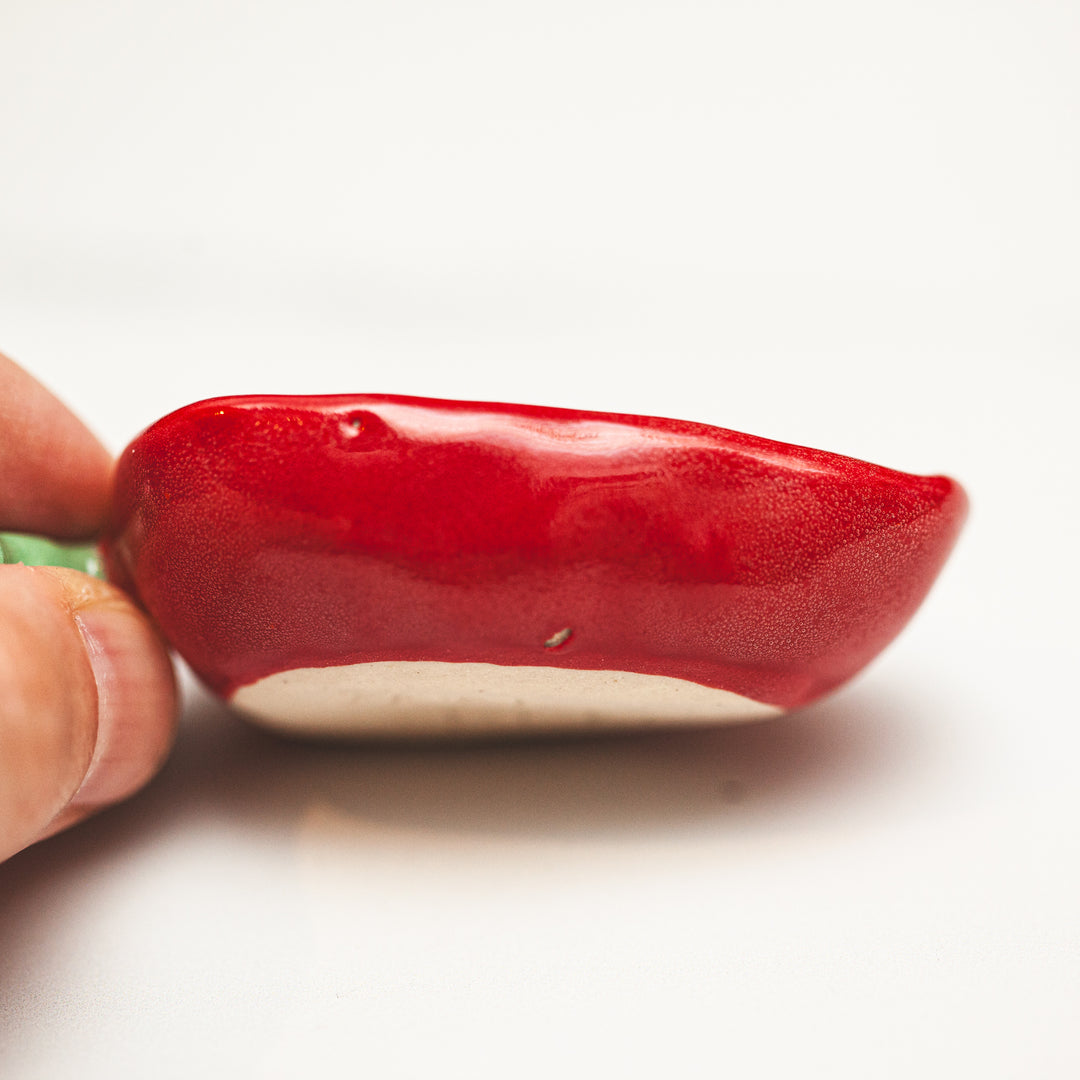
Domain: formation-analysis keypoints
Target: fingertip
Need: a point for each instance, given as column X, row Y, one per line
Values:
column 89, row 701
column 57, row 475
column 137, row 702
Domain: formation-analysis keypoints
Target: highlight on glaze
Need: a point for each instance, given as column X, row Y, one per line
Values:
column 383, row 564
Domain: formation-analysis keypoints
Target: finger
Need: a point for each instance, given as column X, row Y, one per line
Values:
column 54, row 474
column 87, row 701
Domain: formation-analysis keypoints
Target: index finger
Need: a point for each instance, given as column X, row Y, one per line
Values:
column 54, row 474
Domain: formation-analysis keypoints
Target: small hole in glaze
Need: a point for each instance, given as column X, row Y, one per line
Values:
column 362, row 432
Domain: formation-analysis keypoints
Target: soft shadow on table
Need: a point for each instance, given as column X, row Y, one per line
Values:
column 226, row 773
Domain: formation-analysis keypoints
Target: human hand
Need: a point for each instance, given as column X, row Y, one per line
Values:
column 87, row 694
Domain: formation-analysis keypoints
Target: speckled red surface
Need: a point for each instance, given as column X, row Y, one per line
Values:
column 266, row 533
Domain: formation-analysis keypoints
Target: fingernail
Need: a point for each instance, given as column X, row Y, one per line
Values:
column 127, row 684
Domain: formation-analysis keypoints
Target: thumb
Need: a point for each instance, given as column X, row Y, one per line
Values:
column 87, row 701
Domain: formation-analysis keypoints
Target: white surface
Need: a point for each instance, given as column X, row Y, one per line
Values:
column 401, row 697
column 847, row 225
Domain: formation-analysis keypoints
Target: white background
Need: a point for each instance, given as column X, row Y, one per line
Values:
column 849, row 225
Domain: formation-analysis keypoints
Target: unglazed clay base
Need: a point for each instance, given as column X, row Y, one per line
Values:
column 433, row 698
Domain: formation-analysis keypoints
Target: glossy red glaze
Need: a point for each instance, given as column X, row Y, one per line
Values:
column 267, row 533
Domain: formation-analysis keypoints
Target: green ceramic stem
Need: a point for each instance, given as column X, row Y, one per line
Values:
column 38, row 551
